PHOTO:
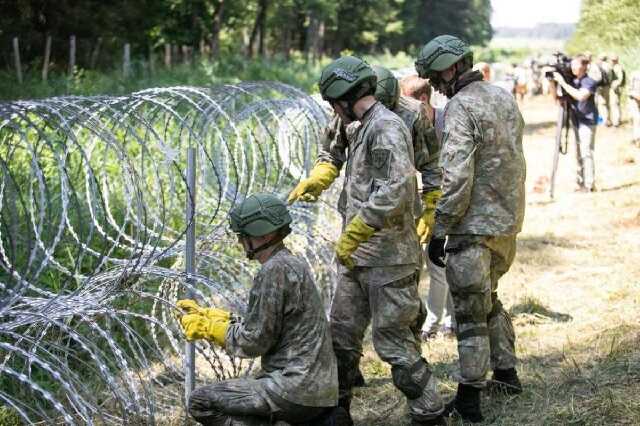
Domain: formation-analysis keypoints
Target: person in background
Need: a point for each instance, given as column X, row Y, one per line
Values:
column 604, row 87
column 582, row 91
column 617, row 85
column 634, row 105
column 485, row 70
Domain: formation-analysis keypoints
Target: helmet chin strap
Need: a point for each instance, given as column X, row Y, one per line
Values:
column 253, row 251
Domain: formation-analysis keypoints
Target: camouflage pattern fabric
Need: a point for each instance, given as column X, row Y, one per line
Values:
column 484, row 330
column 245, row 402
column 426, row 146
column 286, row 326
column 388, row 298
column 379, row 186
column 615, row 95
column 483, row 164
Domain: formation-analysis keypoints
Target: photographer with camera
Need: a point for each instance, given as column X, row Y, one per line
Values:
column 581, row 93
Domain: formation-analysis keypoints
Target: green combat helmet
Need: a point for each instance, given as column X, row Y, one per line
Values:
column 387, row 87
column 347, row 78
column 258, row 215
column 440, row 53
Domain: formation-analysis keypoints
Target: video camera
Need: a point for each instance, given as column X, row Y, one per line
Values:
column 561, row 65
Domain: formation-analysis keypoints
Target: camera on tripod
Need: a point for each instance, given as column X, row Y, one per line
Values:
column 561, row 65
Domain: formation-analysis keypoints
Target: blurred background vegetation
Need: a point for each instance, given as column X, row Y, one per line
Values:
column 609, row 26
column 208, row 42
column 212, row 41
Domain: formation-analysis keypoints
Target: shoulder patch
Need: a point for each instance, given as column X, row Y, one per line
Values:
column 381, row 159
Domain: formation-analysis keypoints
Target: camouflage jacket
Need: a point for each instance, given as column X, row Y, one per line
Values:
column 483, row 164
column 426, row 146
column 285, row 324
column 619, row 78
column 379, row 185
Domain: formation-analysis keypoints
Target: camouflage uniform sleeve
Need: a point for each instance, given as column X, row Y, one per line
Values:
column 393, row 174
column 258, row 331
column 458, row 168
column 333, row 143
column 427, row 153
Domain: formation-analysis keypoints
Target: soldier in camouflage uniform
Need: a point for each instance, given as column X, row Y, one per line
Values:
column 284, row 324
column 481, row 211
column 378, row 249
column 617, row 85
column 634, row 105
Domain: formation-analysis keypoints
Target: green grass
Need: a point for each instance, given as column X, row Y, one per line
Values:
column 228, row 69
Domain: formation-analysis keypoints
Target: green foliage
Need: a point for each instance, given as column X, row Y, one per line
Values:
column 295, row 71
column 267, row 27
column 9, row 417
column 609, row 26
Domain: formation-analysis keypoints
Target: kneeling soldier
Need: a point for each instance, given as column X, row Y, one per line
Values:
column 284, row 324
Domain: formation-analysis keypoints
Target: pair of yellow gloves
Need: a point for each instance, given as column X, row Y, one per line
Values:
column 204, row 323
column 357, row 231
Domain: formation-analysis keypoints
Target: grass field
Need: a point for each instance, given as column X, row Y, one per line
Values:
column 574, row 293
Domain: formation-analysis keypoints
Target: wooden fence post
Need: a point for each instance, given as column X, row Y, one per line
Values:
column 167, row 55
column 186, row 59
column 95, row 53
column 126, row 61
column 152, row 61
column 72, row 54
column 174, row 53
column 47, row 56
column 16, row 58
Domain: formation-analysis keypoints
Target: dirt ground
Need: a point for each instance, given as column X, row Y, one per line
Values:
column 574, row 293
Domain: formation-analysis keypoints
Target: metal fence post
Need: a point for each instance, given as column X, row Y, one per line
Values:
column 190, row 249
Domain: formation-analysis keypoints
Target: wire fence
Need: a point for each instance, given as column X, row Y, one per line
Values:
column 92, row 200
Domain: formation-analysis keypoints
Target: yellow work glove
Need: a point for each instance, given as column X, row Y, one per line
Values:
column 320, row 178
column 200, row 327
column 353, row 235
column 425, row 223
column 190, row 306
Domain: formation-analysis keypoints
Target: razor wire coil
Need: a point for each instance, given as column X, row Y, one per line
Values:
column 92, row 199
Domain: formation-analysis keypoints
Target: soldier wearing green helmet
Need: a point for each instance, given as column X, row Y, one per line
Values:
column 378, row 249
column 479, row 215
column 284, row 324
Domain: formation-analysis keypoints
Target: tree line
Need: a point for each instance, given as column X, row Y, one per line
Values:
column 182, row 29
column 609, row 26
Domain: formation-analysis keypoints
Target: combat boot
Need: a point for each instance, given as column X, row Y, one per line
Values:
column 505, row 382
column 438, row 421
column 341, row 414
column 466, row 404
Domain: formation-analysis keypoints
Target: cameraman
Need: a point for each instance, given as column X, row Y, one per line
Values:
column 582, row 91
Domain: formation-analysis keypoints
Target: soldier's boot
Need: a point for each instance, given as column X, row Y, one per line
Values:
column 466, row 404
column 505, row 382
column 328, row 418
column 438, row 421
column 342, row 414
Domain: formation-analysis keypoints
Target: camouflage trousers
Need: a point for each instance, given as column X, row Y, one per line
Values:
column 245, row 402
column 388, row 298
column 484, row 330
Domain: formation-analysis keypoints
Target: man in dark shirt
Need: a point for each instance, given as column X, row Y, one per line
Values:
column 585, row 118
